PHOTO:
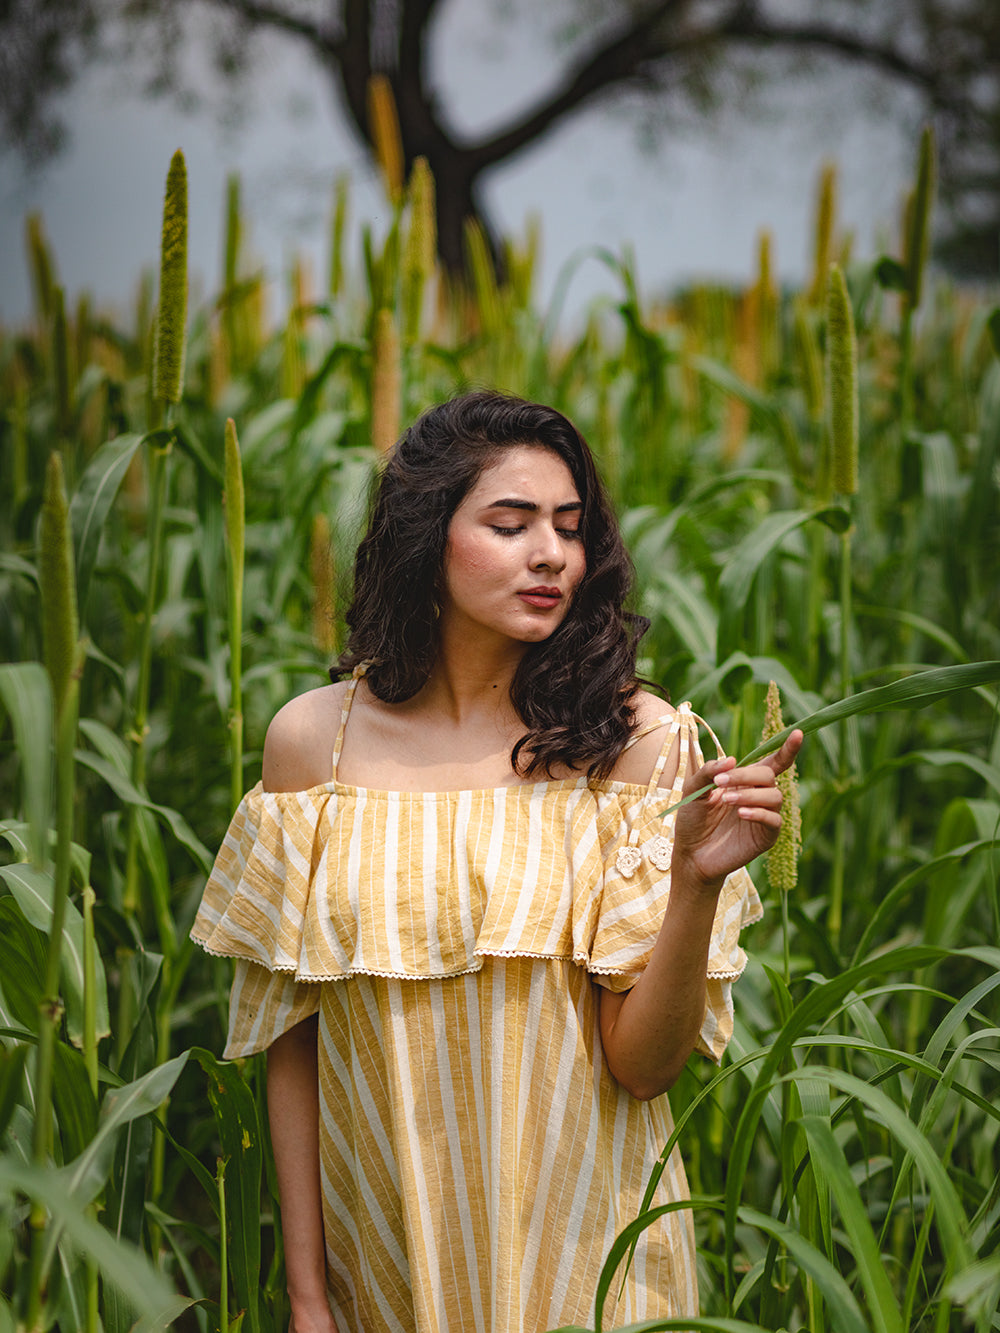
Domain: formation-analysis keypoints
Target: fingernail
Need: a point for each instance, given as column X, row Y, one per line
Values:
column 721, row 779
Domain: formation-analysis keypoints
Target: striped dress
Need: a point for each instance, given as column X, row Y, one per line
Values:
column 477, row 1156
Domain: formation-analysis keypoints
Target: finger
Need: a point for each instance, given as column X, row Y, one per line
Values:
column 708, row 774
column 768, row 798
column 754, row 775
column 784, row 757
column 755, row 814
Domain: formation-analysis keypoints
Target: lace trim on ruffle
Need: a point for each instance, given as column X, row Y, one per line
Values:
column 579, row 960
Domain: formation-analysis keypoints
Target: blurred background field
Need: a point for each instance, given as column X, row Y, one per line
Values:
column 845, row 1159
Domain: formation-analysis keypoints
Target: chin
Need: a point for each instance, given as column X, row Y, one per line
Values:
column 538, row 633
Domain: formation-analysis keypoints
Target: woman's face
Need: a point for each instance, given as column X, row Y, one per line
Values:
column 514, row 556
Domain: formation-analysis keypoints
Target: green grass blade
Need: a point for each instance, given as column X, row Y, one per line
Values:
column 27, row 696
column 911, row 692
column 830, row 1160
column 33, row 890
column 131, row 795
column 88, row 1172
column 745, row 561
column 951, row 1220
column 123, row 1265
column 92, row 503
column 237, row 1121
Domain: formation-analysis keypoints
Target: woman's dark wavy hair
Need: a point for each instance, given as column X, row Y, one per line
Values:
column 572, row 690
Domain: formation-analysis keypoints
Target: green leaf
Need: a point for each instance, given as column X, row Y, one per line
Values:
column 237, row 1120
column 122, row 1265
column 891, row 276
column 27, row 697
column 22, row 964
column 830, row 1162
column 916, row 691
column 70, row 1287
column 12, row 1062
column 131, row 795
column 92, row 503
column 86, row 1174
column 993, row 326
column 125, row 1195
column 33, row 890
column 190, row 443
column 899, row 892
column 74, row 1102
column 745, row 561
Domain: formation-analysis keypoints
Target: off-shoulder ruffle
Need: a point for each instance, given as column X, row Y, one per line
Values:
column 336, row 881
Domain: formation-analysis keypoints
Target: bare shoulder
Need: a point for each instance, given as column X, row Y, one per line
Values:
column 638, row 761
column 298, row 748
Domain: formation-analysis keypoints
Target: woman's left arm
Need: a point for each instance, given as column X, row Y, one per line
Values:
column 649, row 1031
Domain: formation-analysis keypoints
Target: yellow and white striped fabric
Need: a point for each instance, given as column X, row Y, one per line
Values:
column 477, row 1156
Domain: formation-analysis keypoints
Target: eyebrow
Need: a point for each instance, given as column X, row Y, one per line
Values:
column 569, row 506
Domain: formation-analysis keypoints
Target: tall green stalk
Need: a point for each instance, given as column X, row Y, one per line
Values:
column 167, row 389
column 920, row 205
column 235, row 528
column 220, row 1177
column 842, row 406
column 167, row 385
column 64, row 663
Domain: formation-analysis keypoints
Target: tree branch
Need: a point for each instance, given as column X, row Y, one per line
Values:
column 416, row 19
column 323, row 40
column 616, row 61
column 632, row 51
column 751, row 27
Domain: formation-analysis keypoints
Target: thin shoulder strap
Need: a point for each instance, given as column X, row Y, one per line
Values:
column 684, row 727
column 658, row 722
column 687, row 724
column 679, row 725
column 345, row 712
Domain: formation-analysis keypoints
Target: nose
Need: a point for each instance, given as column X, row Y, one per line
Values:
column 548, row 553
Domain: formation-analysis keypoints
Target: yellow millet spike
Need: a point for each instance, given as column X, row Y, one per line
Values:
column 386, row 386
column 171, row 325
column 783, row 858
column 57, row 580
column 918, row 228
column 826, row 211
column 842, row 384
column 321, row 566
column 234, row 502
column 338, row 226
column 420, row 253
column 383, row 123
column 484, row 281
column 40, row 265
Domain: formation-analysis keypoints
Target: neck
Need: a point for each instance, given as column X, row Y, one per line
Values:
column 471, row 680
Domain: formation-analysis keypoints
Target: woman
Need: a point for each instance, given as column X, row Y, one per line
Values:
column 475, row 952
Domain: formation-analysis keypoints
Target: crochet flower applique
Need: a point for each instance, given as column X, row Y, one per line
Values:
column 658, row 852
column 628, row 861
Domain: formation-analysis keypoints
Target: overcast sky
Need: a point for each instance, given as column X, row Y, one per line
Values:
column 691, row 208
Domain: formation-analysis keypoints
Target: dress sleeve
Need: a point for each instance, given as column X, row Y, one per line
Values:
column 252, row 910
column 263, row 1005
column 637, row 887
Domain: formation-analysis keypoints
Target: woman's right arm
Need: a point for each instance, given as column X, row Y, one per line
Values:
column 293, row 1110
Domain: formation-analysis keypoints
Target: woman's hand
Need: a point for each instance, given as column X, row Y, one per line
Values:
column 737, row 820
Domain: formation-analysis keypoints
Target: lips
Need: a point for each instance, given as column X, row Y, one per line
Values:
column 541, row 596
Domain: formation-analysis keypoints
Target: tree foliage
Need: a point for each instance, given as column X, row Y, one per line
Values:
column 669, row 53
